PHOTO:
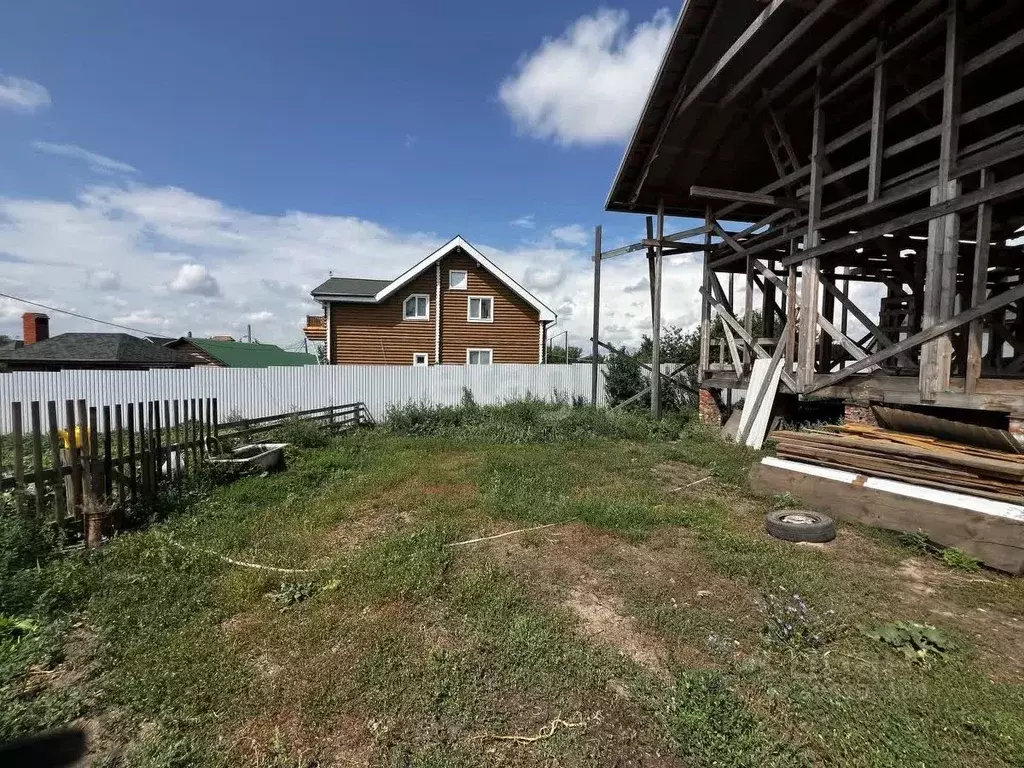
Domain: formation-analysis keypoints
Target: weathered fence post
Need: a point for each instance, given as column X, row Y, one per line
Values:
column 19, row 458
column 60, row 499
column 37, row 457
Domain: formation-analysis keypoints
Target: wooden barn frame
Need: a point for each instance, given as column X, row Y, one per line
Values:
column 879, row 143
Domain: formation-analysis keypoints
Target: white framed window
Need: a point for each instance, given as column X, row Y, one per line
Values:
column 478, row 356
column 420, row 358
column 458, row 279
column 481, row 309
column 417, row 307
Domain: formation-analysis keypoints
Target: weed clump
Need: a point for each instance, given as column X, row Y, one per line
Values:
column 789, row 621
column 529, row 420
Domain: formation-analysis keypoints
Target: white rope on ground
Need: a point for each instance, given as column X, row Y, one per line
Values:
column 239, row 563
column 546, row 731
column 695, row 482
column 509, row 533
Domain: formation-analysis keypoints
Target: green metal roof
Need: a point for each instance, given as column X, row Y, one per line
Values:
column 237, row 354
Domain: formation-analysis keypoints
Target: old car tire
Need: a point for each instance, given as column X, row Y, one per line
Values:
column 800, row 525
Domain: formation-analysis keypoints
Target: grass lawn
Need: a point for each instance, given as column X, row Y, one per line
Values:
column 632, row 634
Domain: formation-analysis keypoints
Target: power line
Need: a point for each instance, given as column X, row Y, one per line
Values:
column 75, row 314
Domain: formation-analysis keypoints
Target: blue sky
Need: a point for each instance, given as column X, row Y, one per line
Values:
column 202, row 165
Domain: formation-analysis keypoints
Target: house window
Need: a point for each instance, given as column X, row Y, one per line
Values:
column 458, row 279
column 417, row 307
column 481, row 309
column 420, row 358
column 478, row 356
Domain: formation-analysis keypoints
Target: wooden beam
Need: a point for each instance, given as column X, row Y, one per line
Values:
column 844, row 341
column 733, row 195
column 992, row 193
column 809, row 284
column 595, row 350
column 1014, row 294
column 675, row 237
column 656, row 325
column 705, row 308
column 734, row 353
column 979, row 288
column 877, row 143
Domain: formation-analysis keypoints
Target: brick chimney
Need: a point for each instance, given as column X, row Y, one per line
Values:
column 35, row 327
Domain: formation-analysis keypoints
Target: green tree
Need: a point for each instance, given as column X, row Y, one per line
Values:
column 557, row 354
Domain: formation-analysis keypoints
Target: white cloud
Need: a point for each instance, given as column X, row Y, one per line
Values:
column 572, row 234
column 103, row 280
column 22, row 95
column 229, row 267
column 410, row 140
column 195, row 278
column 589, row 85
column 525, row 222
column 95, row 161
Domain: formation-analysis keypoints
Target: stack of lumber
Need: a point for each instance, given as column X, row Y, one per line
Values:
column 917, row 459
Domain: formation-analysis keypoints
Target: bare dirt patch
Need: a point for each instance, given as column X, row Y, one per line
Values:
column 601, row 578
column 998, row 636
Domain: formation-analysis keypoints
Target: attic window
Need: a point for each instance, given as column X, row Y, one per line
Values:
column 481, row 309
column 417, row 307
column 458, row 279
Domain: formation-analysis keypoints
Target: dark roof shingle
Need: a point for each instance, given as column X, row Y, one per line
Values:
column 98, row 348
column 350, row 286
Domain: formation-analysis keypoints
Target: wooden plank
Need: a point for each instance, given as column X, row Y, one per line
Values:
column 37, row 455
column 19, row 457
column 201, row 417
column 82, row 411
column 168, row 437
column 194, row 426
column 119, row 431
column 996, row 541
column 734, row 195
column 59, row 495
column 133, row 482
column 177, row 438
column 753, row 426
column 108, row 476
column 158, row 441
column 979, row 287
column 75, row 456
column 1001, row 300
column 595, row 351
column 734, row 353
column 144, row 462
column 214, row 424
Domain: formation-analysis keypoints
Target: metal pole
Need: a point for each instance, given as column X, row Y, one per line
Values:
column 594, row 369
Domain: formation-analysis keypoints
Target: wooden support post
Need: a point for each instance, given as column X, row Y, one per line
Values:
column 37, row 456
column 809, row 284
column 979, row 289
column 194, row 431
column 656, row 325
column 877, row 145
column 156, row 432
column 94, row 509
column 215, row 424
column 59, row 495
column 19, row 457
column 595, row 350
column 705, row 305
column 177, row 438
column 845, row 294
column 791, row 318
column 828, row 312
column 944, row 233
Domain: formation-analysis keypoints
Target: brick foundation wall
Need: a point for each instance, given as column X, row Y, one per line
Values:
column 858, row 414
column 710, row 408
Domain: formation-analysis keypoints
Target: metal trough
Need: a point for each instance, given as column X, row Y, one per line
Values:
column 267, row 456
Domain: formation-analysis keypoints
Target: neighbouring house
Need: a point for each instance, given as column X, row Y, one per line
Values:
column 109, row 351
column 219, row 353
column 454, row 307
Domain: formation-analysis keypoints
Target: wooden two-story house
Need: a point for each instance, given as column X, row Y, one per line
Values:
column 455, row 307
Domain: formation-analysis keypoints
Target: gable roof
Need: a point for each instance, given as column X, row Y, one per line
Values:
column 351, row 286
column 98, row 348
column 387, row 288
column 237, row 354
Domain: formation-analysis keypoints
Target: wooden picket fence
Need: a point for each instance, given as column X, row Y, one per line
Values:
column 127, row 453
column 111, row 458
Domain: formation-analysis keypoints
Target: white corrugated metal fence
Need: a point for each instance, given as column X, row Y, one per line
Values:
column 254, row 392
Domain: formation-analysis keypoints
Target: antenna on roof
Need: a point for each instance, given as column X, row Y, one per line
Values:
column 330, row 273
